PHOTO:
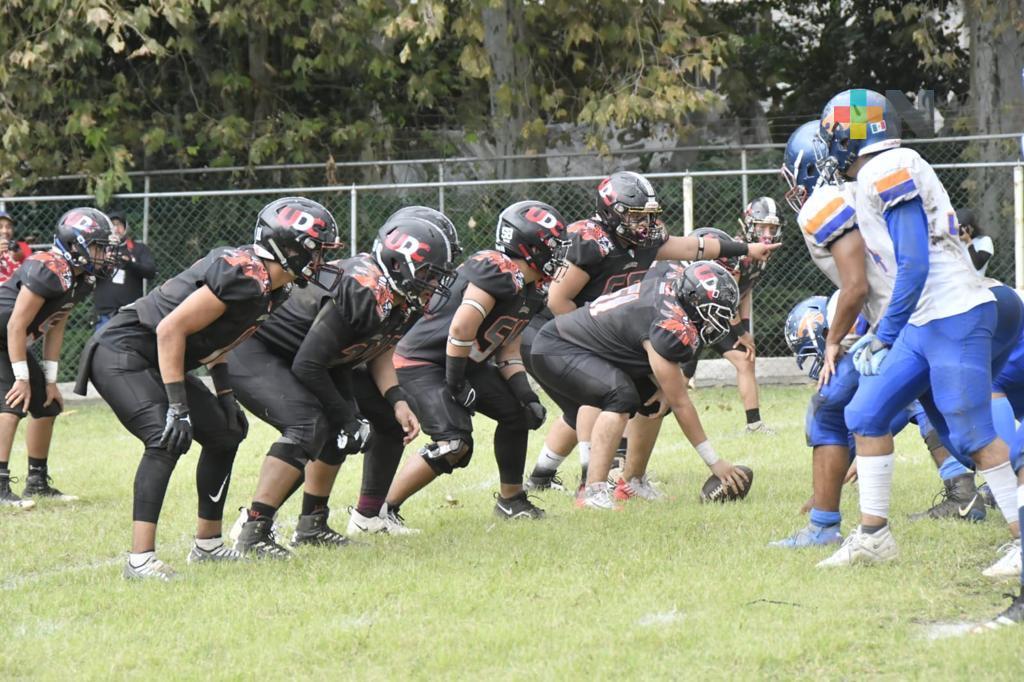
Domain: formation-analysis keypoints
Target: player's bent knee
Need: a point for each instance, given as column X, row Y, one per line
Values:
column 446, row 456
column 291, row 454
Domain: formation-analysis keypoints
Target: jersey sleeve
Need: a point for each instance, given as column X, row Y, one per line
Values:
column 495, row 273
column 588, row 244
column 47, row 276
column 363, row 299
column 237, row 276
column 828, row 214
column 673, row 336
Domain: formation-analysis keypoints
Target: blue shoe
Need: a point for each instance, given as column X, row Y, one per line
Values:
column 811, row 536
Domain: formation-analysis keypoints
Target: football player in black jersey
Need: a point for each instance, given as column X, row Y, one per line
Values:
column 466, row 357
column 760, row 224
column 607, row 252
column 140, row 364
column 320, row 371
column 35, row 302
column 621, row 354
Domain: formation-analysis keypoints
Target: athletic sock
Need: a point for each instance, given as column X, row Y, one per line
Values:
column 259, row 510
column 36, row 466
column 874, row 478
column 3, row 466
column 549, row 460
column 369, row 505
column 585, row 454
column 312, row 504
column 137, row 559
column 1003, row 485
column 754, row 415
column 209, row 544
column 952, row 468
column 623, row 446
column 825, row 519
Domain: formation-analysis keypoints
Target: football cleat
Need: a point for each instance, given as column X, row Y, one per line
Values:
column 960, row 500
column 640, row 488
column 312, row 529
column 198, row 555
column 1013, row 615
column 759, row 428
column 387, row 521
column 545, row 479
column 152, row 569
column 257, row 540
column 38, row 485
column 7, row 496
column 516, row 507
column 1009, row 565
column 810, row 536
column 863, row 548
column 597, row 496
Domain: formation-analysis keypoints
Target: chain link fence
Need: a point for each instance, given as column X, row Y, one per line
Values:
column 182, row 226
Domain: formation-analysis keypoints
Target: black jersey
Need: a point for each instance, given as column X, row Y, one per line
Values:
column 46, row 274
column 516, row 302
column 359, row 321
column 616, row 325
column 236, row 276
column 610, row 266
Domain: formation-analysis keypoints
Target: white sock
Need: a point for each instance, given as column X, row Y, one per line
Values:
column 138, row 559
column 549, row 459
column 209, row 544
column 874, row 477
column 584, row 454
column 1003, row 484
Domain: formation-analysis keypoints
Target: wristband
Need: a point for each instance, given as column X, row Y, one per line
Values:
column 176, row 393
column 20, row 370
column 455, row 371
column 732, row 249
column 219, row 374
column 707, row 453
column 394, row 395
column 520, row 387
column 50, row 370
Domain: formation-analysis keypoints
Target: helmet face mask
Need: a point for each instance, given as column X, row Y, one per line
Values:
column 800, row 164
column 761, row 222
column 710, row 295
column 628, row 207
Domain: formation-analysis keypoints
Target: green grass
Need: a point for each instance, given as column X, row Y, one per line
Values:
column 674, row 590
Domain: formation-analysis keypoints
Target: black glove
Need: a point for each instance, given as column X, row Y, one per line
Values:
column 177, row 436
column 535, row 415
column 455, row 377
column 534, row 411
column 237, row 422
column 354, row 436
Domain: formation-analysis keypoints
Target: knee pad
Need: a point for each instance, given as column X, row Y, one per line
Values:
column 289, row 453
column 446, row 456
column 330, row 454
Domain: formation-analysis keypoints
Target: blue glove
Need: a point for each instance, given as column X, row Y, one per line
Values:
column 868, row 354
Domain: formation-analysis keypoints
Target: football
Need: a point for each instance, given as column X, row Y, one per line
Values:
column 714, row 491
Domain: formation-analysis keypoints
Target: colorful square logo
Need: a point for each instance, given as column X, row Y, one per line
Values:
column 858, row 116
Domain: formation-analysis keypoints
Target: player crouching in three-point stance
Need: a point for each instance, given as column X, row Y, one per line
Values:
column 605, row 354
column 320, row 371
column 466, row 357
column 35, row 302
column 140, row 362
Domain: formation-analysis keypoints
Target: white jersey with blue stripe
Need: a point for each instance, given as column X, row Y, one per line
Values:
column 891, row 178
column 827, row 215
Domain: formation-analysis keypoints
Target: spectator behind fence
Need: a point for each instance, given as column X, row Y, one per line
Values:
column 134, row 264
column 12, row 251
column 979, row 244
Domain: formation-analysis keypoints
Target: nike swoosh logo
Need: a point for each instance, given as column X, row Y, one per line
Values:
column 963, row 510
column 216, row 498
column 507, row 511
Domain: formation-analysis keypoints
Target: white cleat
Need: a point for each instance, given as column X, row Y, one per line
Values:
column 152, row 569
column 1009, row 566
column 760, row 428
column 862, row 548
column 220, row 553
column 386, row 522
column 597, row 496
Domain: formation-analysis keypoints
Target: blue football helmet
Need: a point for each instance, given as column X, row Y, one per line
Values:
column 806, row 331
column 853, row 123
column 799, row 167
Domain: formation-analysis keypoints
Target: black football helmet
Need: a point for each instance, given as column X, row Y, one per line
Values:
column 80, row 229
column 296, row 232
column 535, row 232
column 416, row 258
column 761, row 222
column 710, row 296
column 435, row 218
column 626, row 205
column 731, row 264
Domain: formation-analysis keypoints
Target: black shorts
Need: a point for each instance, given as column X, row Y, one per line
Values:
column 583, row 378
column 440, row 418
column 135, row 392
column 36, row 382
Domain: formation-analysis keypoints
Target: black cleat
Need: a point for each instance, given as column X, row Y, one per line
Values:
column 545, row 479
column 257, row 540
column 1013, row 615
column 312, row 529
column 7, row 496
column 516, row 507
column 38, row 485
column 960, row 501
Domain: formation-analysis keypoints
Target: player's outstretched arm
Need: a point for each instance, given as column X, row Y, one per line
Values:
column 26, row 307
column 566, row 287
column 698, row 248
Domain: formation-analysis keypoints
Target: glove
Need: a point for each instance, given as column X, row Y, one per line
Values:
column 464, row 395
column 237, row 422
column 354, row 437
column 535, row 415
column 177, row 437
column 868, row 354
column 532, row 407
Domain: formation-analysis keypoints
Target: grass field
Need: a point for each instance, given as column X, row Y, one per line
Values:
column 673, row 590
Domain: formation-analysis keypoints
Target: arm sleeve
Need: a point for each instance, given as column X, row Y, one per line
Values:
column 908, row 227
column 144, row 264
column 323, row 343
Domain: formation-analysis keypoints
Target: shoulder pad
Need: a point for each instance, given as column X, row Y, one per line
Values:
column 367, row 280
column 589, row 243
column 489, row 264
column 828, row 213
column 893, row 176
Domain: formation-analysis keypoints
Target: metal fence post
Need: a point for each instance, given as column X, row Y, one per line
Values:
column 1018, row 224
column 145, row 222
column 687, row 204
column 352, row 220
column 440, row 187
column 743, row 167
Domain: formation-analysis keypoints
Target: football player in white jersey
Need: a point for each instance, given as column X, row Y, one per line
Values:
column 940, row 331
